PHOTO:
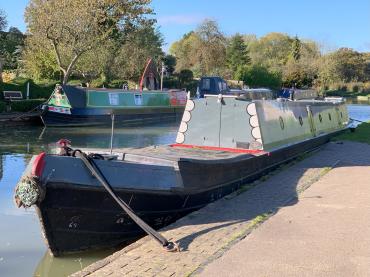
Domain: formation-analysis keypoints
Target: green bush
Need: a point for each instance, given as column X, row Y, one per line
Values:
column 41, row 90
column 185, row 76
column 258, row 76
column 25, row 105
column 97, row 83
column 191, row 86
column 171, row 82
column 2, row 107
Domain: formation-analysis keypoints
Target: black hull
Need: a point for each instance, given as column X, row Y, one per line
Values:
column 127, row 118
column 72, row 221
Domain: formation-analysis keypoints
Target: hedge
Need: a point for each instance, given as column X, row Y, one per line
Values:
column 37, row 91
column 2, row 107
column 25, row 105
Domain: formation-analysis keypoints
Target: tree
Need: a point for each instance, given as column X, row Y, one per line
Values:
column 139, row 45
column 185, row 76
column 271, row 51
column 169, row 62
column 237, row 54
column 38, row 59
column 12, row 43
column 343, row 65
column 211, row 48
column 75, row 27
column 185, row 51
column 259, row 76
column 296, row 49
column 203, row 51
column 349, row 65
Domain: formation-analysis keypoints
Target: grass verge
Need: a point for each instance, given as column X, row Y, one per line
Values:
column 361, row 134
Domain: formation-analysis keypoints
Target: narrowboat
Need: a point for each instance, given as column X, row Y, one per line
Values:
column 78, row 106
column 223, row 141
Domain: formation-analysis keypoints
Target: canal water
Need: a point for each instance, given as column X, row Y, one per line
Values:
column 22, row 249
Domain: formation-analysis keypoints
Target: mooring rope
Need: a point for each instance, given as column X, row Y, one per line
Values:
column 95, row 171
column 26, row 113
column 357, row 120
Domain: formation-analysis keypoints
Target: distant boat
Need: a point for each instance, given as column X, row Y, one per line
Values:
column 78, row 106
column 223, row 141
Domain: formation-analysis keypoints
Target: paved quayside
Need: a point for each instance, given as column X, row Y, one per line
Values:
column 321, row 231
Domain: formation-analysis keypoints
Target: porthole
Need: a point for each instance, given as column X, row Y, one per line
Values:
column 329, row 116
column 320, row 117
column 301, row 121
column 281, row 123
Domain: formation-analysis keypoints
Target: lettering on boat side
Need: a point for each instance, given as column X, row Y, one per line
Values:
column 74, row 221
column 162, row 220
column 138, row 99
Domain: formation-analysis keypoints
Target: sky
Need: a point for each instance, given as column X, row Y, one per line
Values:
column 332, row 23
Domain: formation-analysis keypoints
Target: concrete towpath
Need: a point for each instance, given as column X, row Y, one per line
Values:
column 320, row 231
column 326, row 234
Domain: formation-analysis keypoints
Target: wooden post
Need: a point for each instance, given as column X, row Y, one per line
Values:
column 162, row 69
column 28, row 90
column 112, row 134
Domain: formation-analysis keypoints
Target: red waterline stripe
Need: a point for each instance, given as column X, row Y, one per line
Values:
column 233, row 150
column 38, row 165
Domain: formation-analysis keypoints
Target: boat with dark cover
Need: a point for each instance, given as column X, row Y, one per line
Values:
column 223, row 141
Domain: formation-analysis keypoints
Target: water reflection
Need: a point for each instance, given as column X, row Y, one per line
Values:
column 63, row 266
column 22, row 249
column 26, row 139
column 1, row 167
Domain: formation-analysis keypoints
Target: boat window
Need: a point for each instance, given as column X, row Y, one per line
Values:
column 329, row 116
column 300, row 120
column 206, row 84
column 224, row 86
column 320, row 117
column 281, row 123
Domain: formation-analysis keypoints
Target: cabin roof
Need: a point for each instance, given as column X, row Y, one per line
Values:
column 76, row 96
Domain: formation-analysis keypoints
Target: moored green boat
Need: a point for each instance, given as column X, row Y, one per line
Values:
column 77, row 106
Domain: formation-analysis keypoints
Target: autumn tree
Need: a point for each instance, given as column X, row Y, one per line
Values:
column 185, row 51
column 271, row 51
column 73, row 28
column 348, row 65
column 130, row 58
column 211, row 48
column 203, row 51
